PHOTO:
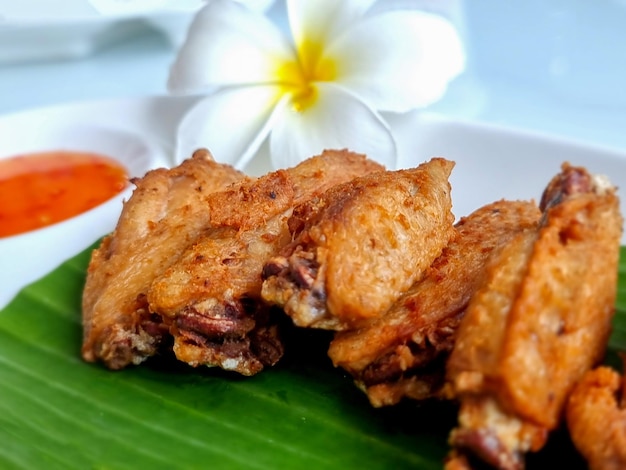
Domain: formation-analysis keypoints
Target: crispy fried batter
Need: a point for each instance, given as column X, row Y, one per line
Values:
column 403, row 352
column 165, row 214
column 211, row 297
column 596, row 419
column 360, row 245
column 539, row 321
column 492, row 435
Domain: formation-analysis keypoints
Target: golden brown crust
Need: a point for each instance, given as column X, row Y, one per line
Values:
column 391, row 356
column 542, row 317
column 495, row 437
column 165, row 214
column 567, row 300
column 596, row 419
column 474, row 359
column 457, row 461
column 210, row 299
column 360, row 245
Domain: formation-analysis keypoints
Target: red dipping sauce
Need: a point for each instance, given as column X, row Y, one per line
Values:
column 41, row 189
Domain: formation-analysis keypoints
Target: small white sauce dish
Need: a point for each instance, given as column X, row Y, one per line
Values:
column 26, row 257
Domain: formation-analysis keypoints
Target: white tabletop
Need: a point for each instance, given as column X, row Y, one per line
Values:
column 555, row 67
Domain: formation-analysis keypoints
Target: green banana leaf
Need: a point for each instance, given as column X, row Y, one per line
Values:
column 58, row 412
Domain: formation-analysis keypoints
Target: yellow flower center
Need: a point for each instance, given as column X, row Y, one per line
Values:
column 298, row 77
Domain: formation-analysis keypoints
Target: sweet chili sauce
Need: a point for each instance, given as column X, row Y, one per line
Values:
column 40, row 189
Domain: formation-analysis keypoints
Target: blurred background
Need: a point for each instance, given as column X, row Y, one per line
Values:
column 554, row 66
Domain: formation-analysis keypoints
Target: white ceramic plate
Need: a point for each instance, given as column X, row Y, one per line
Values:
column 491, row 163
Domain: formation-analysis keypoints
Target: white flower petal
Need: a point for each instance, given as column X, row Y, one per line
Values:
column 232, row 123
column 336, row 120
column 406, row 64
column 320, row 21
column 228, row 44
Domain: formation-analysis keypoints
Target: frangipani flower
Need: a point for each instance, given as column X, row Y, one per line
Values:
column 323, row 87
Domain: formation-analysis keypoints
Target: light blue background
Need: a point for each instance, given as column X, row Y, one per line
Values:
column 556, row 66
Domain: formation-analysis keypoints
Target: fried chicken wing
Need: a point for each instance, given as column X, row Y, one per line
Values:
column 596, row 419
column 403, row 353
column 211, row 297
column 538, row 322
column 358, row 246
column 165, row 214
